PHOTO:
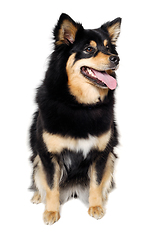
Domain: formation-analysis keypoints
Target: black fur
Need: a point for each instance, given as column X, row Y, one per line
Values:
column 60, row 113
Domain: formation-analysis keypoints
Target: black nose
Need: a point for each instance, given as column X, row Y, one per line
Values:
column 114, row 59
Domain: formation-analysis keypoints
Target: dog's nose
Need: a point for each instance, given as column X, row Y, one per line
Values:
column 114, row 59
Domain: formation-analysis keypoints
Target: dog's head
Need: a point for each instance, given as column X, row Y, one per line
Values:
column 92, row 58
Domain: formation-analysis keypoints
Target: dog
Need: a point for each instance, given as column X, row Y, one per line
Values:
column 73, row 133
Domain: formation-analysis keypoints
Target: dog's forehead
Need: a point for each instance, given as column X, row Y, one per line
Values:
column 97, row 37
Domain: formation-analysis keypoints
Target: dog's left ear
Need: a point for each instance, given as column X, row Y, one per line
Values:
column 65, row 30
column 113, row 29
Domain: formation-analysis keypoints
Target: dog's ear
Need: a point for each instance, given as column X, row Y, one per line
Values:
column 65, row 30
column 113, row 28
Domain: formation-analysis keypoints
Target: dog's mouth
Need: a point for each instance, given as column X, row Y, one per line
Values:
column 100, row 78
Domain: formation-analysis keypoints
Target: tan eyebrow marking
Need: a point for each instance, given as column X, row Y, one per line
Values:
column 105, row 42
column 93, row 44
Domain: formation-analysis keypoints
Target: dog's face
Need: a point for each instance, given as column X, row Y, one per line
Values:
column 92, row 59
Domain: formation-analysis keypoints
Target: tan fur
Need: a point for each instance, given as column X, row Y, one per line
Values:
column 108, row 176
column 51, row 195
column 80, row 87
column 114, row 32
column 109, row 71
column 50, row 217
column 66, row 26
column 105, row 42
column 101, row 61
column 56, row 143
column 98, row 193
column 36, row 198
column 96, row 212
column 93, row 44
column 95, row 193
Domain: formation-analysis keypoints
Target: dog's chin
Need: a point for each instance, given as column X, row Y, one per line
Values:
column 88, row 74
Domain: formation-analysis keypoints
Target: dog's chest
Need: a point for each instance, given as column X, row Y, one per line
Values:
column 56, row 143
column 83, row 145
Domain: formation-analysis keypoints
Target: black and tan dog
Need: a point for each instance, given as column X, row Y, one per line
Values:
column 73, row 133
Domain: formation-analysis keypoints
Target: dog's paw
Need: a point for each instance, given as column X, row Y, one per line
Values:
column 97, row 212
column 36, row 198
column 50, row 217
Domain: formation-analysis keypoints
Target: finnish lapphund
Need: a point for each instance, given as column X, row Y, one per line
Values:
column 73, row 133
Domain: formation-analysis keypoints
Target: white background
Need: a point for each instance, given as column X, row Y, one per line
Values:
column 133, row 210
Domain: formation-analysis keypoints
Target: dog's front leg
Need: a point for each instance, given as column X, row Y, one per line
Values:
column 51, row 213
column 95, row 195
column 101, row 177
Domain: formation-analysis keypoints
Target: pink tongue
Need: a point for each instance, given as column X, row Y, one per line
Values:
column 106, row 78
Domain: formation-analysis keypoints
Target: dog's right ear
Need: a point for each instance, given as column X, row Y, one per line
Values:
column 113, row 29
column 65, row 30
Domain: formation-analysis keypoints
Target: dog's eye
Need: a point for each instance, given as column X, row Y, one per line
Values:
column 89, row 49
column 108, row 49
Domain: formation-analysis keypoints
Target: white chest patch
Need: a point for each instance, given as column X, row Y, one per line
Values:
column 56, row 143
column 85, row 145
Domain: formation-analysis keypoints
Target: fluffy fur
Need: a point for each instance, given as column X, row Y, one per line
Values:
column 73, row 133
